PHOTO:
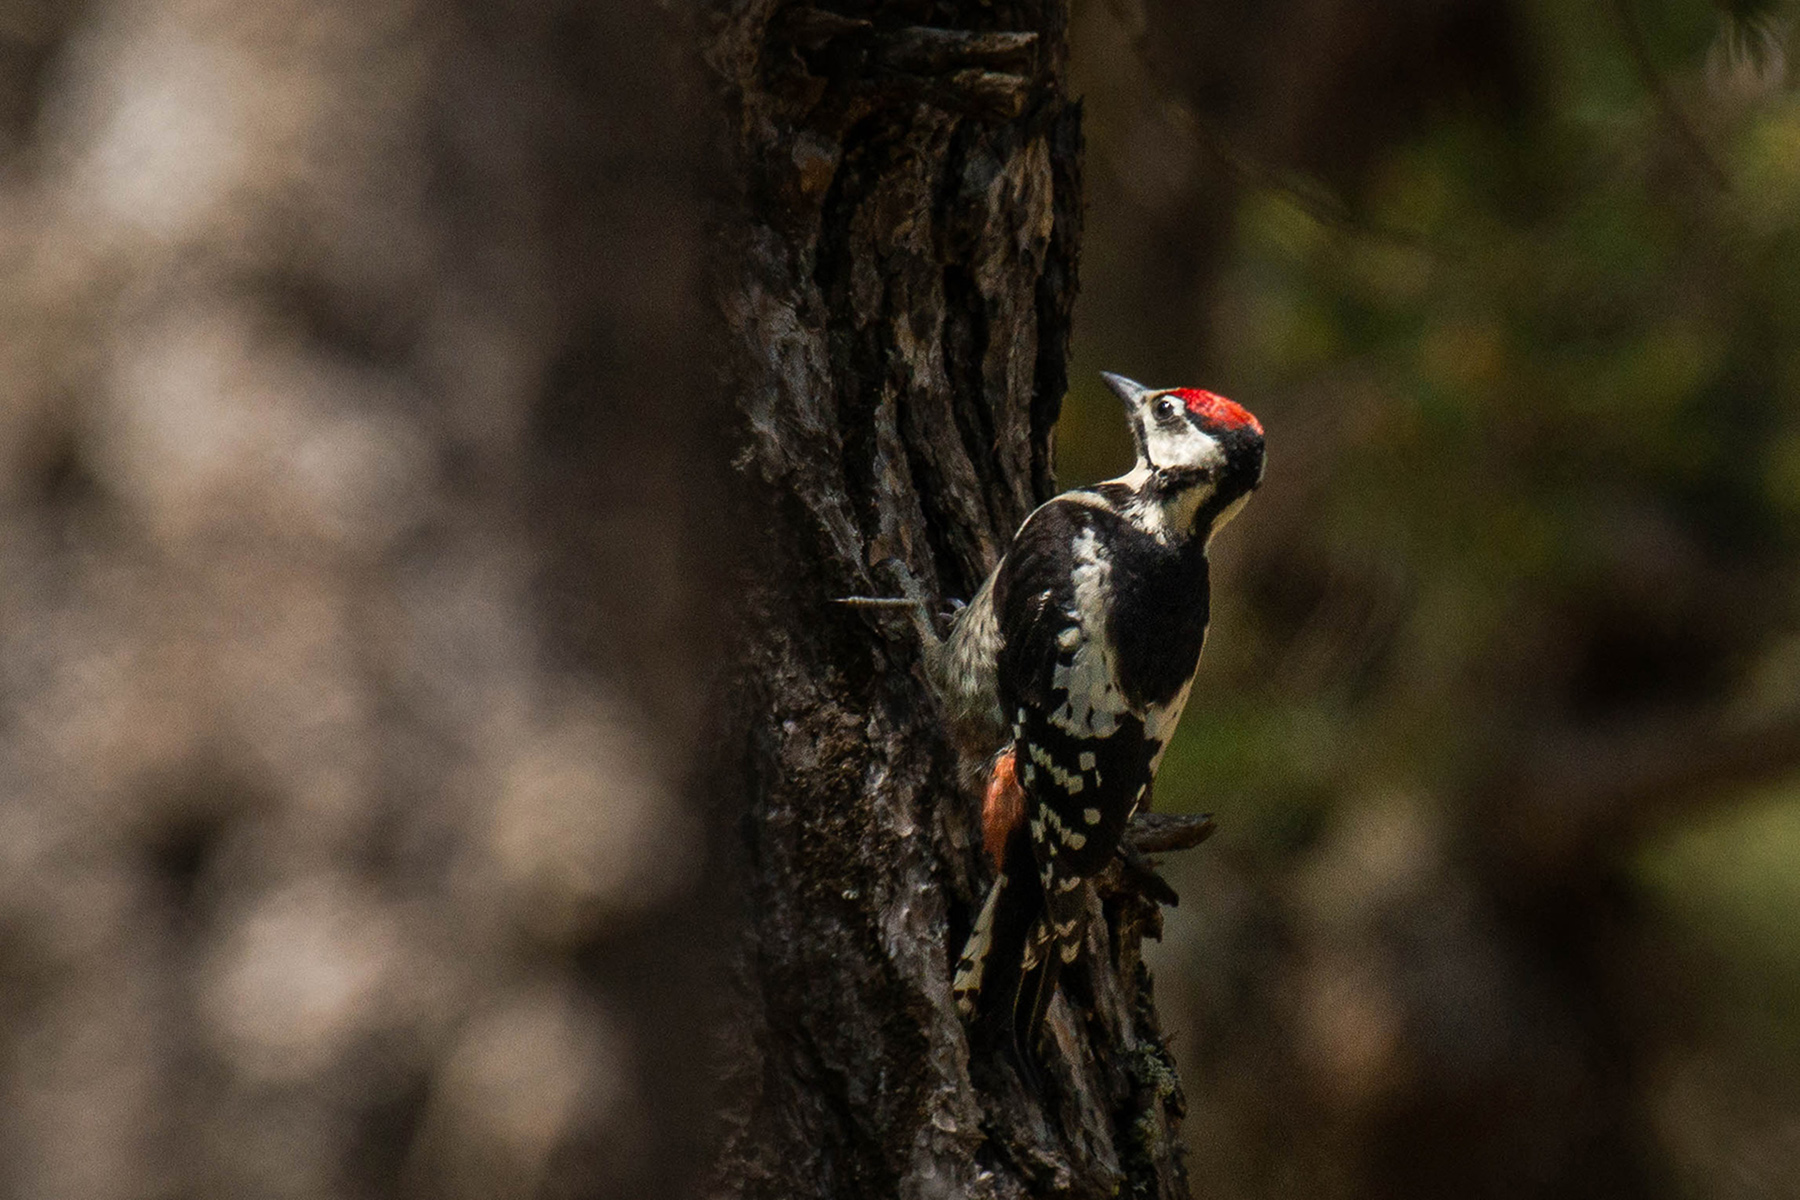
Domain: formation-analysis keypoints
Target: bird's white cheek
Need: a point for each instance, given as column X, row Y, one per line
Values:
column 1184, row 446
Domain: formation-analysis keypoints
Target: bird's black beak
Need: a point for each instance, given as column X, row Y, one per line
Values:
column 1132, row 393
column 1128, row 390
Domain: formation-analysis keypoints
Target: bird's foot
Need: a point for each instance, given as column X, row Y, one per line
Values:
column 1140, row 876
column 1157, row 833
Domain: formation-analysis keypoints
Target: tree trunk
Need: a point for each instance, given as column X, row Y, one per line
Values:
column 897, row 275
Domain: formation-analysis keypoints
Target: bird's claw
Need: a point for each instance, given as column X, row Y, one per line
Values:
column 1140, row 876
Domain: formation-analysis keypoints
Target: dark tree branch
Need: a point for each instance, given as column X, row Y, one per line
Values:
column 1159, row 833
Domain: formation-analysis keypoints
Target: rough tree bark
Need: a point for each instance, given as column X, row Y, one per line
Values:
column 898, row 271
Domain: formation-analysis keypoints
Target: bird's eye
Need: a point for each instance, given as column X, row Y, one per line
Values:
column 1165, row 409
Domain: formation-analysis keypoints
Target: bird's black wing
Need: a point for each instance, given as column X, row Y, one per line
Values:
column 1080, row 753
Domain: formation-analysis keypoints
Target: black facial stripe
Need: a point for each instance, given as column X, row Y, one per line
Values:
column 1166, row 481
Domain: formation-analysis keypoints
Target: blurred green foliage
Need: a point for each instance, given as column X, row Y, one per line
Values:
column 1562, row 363
column 1732, row 881
column 1531, row 375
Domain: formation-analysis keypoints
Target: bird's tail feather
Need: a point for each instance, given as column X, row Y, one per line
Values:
column 1009, row 966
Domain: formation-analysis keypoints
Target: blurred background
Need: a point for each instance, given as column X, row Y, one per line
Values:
column 351, row 637
column 1501, row 715
column 353, row 622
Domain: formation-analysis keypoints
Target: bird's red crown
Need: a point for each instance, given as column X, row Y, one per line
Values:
column 1217, row 409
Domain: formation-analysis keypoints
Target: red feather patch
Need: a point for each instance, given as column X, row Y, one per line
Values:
column 1217, row 409
column 1003, row 807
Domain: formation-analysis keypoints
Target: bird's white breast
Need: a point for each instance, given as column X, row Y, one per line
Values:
column 1094, row 702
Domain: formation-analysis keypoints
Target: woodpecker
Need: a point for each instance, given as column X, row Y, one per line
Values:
column 1076, row 656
